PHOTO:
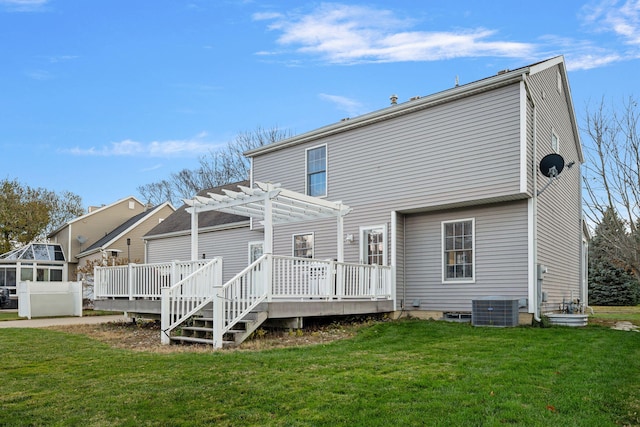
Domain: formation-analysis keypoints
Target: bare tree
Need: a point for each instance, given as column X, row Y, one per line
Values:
column 612, row 178
column 216, row 168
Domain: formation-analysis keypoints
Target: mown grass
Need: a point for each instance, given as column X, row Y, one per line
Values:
column 407, row 372
column 628, row 313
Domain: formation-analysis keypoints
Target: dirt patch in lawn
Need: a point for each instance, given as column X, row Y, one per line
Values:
column 145, row 336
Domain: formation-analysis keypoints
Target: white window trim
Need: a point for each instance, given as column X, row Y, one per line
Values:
column 558, row 81
column 444, row 259
column 363, row 243
column 293, row 243
column 326, row 170
column 253, row 243
column 555, row 149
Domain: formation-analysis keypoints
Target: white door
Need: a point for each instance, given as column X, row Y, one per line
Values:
column 373, row 245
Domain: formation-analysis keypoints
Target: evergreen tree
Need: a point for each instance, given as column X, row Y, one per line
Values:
column 611, row 282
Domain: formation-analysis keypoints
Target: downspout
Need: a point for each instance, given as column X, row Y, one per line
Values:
column 404, row 262
column 537, row 286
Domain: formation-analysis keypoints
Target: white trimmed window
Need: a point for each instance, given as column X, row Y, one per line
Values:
column 458, row 245
column 256, row 249
column 559, row 81
column 303, row 245
column 317, row 171
column 555, row 142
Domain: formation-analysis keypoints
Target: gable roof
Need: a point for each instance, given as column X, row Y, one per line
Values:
column 179, row 222
column 121, row 230
column 93, row 212
column 503, row 78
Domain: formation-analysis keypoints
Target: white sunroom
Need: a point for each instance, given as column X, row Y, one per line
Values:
column 35, row 262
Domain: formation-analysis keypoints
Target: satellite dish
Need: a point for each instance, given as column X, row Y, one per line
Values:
column 551, row 165
column 81, row 239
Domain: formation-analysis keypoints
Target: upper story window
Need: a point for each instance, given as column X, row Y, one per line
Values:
column 458, row 242
column 555, row 142
column 303, row 245
column 559, row 81
column 317, row 171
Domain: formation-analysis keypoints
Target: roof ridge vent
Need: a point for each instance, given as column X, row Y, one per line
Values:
column 505, row 71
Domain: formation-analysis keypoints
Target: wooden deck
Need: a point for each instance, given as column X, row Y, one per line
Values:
column 151, row 309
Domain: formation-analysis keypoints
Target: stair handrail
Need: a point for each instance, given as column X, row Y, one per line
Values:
column 239, row 296
column 170, row 316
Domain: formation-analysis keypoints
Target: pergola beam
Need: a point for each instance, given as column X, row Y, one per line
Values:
column 270, row 204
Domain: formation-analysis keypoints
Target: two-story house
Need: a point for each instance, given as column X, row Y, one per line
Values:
column 444, row 188
column 444, row 194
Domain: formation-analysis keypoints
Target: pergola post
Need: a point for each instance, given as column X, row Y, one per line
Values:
column 194, row 233
column 340, row 232
column 268, row 224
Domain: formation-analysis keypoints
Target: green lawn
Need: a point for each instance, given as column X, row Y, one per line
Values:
column 631, row 314
column 405, row 373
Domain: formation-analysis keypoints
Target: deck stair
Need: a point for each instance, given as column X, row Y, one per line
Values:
column 199, row 329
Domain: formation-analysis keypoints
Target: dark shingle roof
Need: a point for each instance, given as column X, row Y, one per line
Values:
column 180, row 220
column 119, row 229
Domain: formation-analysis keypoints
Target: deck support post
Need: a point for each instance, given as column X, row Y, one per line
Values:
column 165, row 319
column 218, row 314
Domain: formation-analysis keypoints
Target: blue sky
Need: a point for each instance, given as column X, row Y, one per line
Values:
column 98, row 97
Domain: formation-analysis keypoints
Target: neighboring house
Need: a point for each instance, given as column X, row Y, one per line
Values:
column 443, row 188
column 125, row 241
column 230, row 234
column 79, row 234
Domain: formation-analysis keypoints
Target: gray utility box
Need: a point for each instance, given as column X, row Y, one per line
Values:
column 494, row 311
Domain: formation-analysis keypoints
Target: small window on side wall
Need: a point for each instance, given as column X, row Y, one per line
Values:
column 555, row 142
column 458, row 243
column 317, row 171
column 303, row 245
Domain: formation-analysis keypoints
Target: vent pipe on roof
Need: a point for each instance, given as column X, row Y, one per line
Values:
column 394, row 99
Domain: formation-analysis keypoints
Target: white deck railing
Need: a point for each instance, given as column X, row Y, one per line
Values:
column 141, row 280
column 185, row 298
column 186, row 288
column 238, row 297
column 303, row 278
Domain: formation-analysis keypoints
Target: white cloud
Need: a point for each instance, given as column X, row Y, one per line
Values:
column 24, row 5
column 262, row 16
column 346, row 34
column 41, row 75
column 621, row 18
column 172, row 148
column 352, row 107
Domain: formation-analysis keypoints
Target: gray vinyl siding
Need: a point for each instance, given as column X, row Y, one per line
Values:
column 559, row 206
column 500, row 254
column 231, row 245
column 165, row 250
column 464, row 150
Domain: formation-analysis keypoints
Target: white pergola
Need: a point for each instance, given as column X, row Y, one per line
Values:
column 271, row 205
